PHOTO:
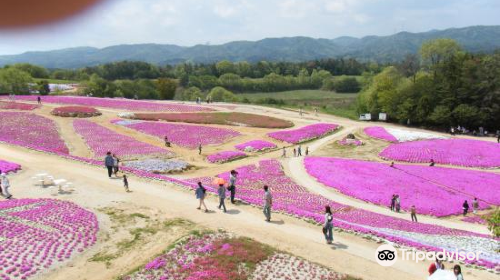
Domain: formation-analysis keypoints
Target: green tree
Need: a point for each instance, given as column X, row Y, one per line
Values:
column 346, row 84
column 221, row 94
column 43, row 87
column 15, row 81
column 434, row 52
column 493, row 221
column 34, row 70
column 190, row 94
column 225, row 67
column 166, row 88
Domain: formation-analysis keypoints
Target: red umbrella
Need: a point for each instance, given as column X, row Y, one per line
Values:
column 219, row 181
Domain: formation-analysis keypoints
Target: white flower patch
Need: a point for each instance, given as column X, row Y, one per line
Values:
column 407, row 135
column 126, row 115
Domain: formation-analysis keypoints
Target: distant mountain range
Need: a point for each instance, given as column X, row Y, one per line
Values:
column 379, row 48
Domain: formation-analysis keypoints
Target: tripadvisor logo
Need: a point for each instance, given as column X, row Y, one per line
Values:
column 386, row 255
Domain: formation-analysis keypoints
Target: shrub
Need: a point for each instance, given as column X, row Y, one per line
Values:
column 76, row 112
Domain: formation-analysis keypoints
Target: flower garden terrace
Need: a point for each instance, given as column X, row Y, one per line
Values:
column 114, row 103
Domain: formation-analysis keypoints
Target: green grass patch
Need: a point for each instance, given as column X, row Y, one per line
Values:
column 57, row 81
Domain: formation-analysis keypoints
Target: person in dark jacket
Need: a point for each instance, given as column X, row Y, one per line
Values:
column 465, row 207
column 201, row 192
column 232, row 184
column 221, row 191
column 109, row 162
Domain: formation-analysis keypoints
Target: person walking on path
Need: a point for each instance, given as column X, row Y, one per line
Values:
column 268, row 203
column 199, row 149
column 294, row 152
column 201, row 192
column 432, row 162
column 328, row 225
column 475, row 205
column 39, row 99
column 109, row 162
column 221, row 191
column 457, row 270
column 125, row 183
column 465, row 207
column 413, row 211
column 398, row 203
column 5, row 186
column 167, row 143
column 393, row 202
column 299, row 151
column 307, row 150
column 116, row 165
column 283, row 155
column 232, row 184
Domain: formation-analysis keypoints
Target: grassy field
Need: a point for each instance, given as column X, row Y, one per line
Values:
column 340, row 104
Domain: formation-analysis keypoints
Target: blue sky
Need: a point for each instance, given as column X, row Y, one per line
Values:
column 190, row 22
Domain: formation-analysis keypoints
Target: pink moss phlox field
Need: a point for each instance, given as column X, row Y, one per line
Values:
column 7, row 166
column 255, row 145
column 306, row 133
column 40, row 233
column 293, row 199
column 225, row 156
column 433, row 190
column 184, row 135
column 102, row 140
column 460, row 152
column 380, row 133
column 10, row 105
column 115, row 103
column 474, row 220
column 31, row 131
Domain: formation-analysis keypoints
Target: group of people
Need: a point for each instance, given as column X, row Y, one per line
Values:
column 112, row 163
column 396, row 206
column 201, row 193
column 438, row 265
column 297, row 152
column 4, row 186
column 475, row 206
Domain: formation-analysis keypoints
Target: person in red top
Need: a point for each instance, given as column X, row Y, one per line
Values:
column 438, row 264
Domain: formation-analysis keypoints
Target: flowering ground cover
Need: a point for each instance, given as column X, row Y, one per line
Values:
column 305, row 133
column 474, row 220
column 31, row 131
column 7, row 166
column 225, row 156
column 10, row 105
column 460, row 152
column 350, row 142
column 102, row 140
column 115, row 103
column 399, row 135
column 220, row 256
column 380, row 133
column 293, row 199
column 35, row 234
column 255, row 146
column 158, row 166
column 76, row 112
column 433, row 190
column 184, row 135
column 222, row 118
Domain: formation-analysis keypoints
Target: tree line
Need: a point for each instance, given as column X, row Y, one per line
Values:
column 442, row 87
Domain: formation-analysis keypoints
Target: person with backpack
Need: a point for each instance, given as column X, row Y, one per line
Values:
column 221, row 191
column 328, row 225
column 232, row 184
column 465, row 207
column 201, row 192
column 109, row 162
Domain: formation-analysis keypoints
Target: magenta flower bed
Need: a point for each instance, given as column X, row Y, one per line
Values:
column 115, row 103
column 460, row 152
column 184, row 135
column 256, row 145
column 433, row 190
column 225, row 156
column 10, row 105
column 39, row 233
column 290, row 198
column 31, row 131
column 102, row 140
column 76, row 111
column 380, row 133
column 305, row 133
column 474, row 220
column 7, row 166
